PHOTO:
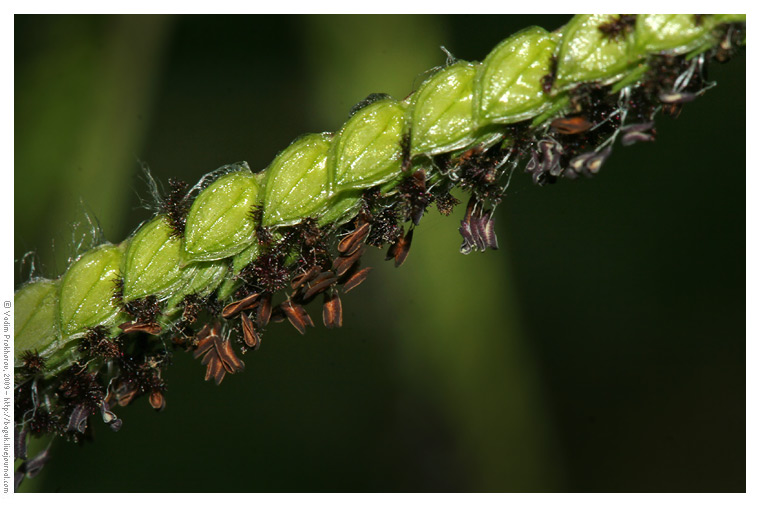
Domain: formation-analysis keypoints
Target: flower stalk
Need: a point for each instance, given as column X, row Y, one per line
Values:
column 243, row 249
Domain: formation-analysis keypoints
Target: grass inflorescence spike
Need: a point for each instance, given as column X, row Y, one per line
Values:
column 219, row 264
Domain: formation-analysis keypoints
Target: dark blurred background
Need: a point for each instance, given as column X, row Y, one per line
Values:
column 600, row 349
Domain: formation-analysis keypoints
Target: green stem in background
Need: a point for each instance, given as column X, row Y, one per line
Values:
column 103, row 75
column 476, row 367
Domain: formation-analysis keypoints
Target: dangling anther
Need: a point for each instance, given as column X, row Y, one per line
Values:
column 297, row 316
column 465, row 228
column 305, row 277
column 478, row 231
column 486, row 236
column 571, row 126
column 352, row 242
column 125, row 395
column 319, row 284
column 594, row 163
column 157, row 400
column 78, row 419
column 251, row 337
column 246, row 303
column 218, row 356
column 577, row 163
column 109, row 417
column 355, row 279
column 342, row 264
column 142, row 327
column 332, row 311
column 264, row 311
column 637, row 132
column 399, row 250
column 676, row 97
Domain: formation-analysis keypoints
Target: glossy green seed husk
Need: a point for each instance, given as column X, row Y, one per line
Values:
column 508, row 83
column 220, row 222
column 367, row 151
column 87, row 289
column 587, row 54
column 297, row 184
column 441, row 116
column 153, row 261
column 36, row 319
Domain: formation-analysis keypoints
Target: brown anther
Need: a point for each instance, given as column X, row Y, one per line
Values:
column 572, row 125
column 204, row 332
column 230, row 361
column 218, row 355
column 464, row 157
column 251, row 338
column 214, row 367
column 142, row 327
column 355, row 279
column 332, row 311
column 342, row 264
column 246, row 303
column 123, row 394
column 277, row 315
column 157, row 400
column 297, row 316
column 180, row 340
column 126, row 398
column 304, row 278
column 204, row 345
column 264, row 312
column 349, row 244
column 400, row 248
column 320, row 283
